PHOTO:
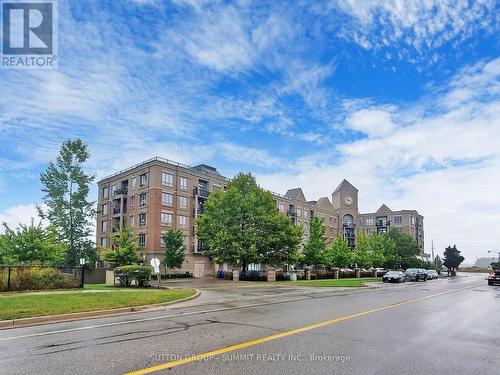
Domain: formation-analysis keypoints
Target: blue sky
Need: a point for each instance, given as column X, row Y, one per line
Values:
column 401, row 97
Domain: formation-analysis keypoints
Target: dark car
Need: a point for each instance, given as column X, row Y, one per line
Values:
column 394, row 277
column 494, row 277
column 416, row 274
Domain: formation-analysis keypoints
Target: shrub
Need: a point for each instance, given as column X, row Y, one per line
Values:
column 37, row 278
column 178, row 275
column 140, row 274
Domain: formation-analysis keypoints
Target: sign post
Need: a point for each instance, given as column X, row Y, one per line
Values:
column 155, row 263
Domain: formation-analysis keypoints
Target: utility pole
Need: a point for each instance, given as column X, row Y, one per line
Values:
column 432, row 247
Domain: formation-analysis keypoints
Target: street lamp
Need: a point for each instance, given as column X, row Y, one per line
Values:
column 498, row 252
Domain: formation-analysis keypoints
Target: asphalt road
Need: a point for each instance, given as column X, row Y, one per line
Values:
column 434, row 327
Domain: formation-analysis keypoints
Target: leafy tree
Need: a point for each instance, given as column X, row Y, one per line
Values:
column 338, row 254
column 124, row 250
column 65, row 188
column 362, row 256
column 379, row 246
column 175, row 250
column 315, row 247
column 406, row 247
column 452, row 259
column 438, row 263
column 30, row 244
column 242, row 226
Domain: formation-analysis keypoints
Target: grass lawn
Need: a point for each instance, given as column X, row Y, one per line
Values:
column 337, row 282
column 15, row 305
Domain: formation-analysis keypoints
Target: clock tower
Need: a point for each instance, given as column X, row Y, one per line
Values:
column 345, row 201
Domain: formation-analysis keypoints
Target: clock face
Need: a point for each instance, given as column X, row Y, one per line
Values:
column 348, row 200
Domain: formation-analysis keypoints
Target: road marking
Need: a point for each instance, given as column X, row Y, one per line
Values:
column 180, row 314
column 201, row 356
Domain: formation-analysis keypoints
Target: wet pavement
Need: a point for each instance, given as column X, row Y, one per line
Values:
column 440, row 326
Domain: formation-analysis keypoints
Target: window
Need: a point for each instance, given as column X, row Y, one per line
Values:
column 369, row 221
column 104, row 226
column 330, row 219
column 183, row 183
column 144, row 179
column 162, row 243
column 132, row 221
column 216, row 188
column 305, row 214
column 183, row 221
column 142, row 239
column 299, row 212
column 183, row 202
column 142, row 219
column 113, row 189
column 132, row 201
column 105, row 192
column 142, row 200
column 331, row 231
column 398, row 220
column 281, row 208
column 413, row 220
column 166, row 219
column 133, row 183
column 104, row 209
column 104, row 242
column 167, row 179
column 167, row 199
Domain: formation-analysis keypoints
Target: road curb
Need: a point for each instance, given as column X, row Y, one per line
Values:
column 49, row 319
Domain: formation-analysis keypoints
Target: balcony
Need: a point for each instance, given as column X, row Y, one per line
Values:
column 383, row 223
column 201, row 192
column 122, row 191
column 291, row 213
column 199, row 210
column 349, row 225
column 116, row 210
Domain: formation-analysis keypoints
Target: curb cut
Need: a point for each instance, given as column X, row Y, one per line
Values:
column 50, row 319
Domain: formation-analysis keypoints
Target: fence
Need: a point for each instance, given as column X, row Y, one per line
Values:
column 39, row 277
column 253, row 275
column 286, row 276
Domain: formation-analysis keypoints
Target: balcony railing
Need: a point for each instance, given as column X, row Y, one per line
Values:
column 383, row 224
column 201, row 192
column 349, row 225
column 122, row 191
column 291, row 213
column 116, row 210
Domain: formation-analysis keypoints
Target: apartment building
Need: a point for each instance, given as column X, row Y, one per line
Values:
column 158, row 195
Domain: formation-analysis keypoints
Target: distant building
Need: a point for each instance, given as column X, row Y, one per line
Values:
column 484, row 262
column 158, row 195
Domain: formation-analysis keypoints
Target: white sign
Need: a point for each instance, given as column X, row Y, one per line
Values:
column 82, row 261
column 155, row 262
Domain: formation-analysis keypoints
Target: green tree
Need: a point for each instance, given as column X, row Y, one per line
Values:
column 125, row 249
column 242, row 225
column 406, row 247
column 362, row 255
column 379, row 246
column 65, row 188
column 438, row 263
column 338, row 254
column 452, row 259
column 175, row 250
column 315, row 247
column 30, row 244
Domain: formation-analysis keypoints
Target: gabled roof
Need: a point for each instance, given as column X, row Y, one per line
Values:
column 296, row 193
column 324, row 202
column 206, row 169
column 345, row 186
column 383, row 208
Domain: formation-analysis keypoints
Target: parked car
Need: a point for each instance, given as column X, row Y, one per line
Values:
column 394, row 277
column 494, row 277
column 432, row 274
column 416, row 274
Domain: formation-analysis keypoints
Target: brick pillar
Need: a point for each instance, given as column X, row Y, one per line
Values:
column 336, row 273
column 374, row 273
column 358, row 273
column 236, row 275
column 307, row 273
column 271, row 275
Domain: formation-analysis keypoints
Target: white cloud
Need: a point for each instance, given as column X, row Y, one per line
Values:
column 16, row 215
column 444, row 163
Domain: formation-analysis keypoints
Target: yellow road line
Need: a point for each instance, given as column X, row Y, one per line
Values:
column 202, row 356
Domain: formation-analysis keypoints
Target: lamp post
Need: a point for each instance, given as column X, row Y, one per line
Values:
column 498, row 252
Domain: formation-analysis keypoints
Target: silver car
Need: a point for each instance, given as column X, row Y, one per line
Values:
column 394, row 277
